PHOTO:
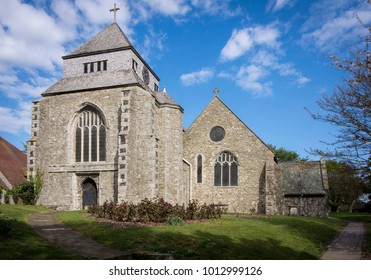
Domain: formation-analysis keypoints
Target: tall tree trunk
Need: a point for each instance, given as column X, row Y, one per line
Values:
column 350, row 206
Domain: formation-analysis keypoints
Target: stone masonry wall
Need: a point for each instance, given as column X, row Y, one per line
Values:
column 120, row 60
column 170, row 154
column 54, row 146
column 141, row 143
column 251, row 153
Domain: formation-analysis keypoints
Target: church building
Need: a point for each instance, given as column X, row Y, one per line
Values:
column 104, row 132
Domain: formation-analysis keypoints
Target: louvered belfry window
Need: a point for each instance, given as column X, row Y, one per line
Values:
column 226, row 170
column 90, row 137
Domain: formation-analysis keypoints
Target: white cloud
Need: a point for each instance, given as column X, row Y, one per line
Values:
column 165, row 7
column 332, row 25
column 215, row 7
column 302, row 81
column 16, row 120
column 29, row 37
column 242, row 41
column 253, row 76
column 249, row 77
column 197, row 77
column 276, row 5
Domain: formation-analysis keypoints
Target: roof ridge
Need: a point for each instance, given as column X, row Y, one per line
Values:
column 110, row 38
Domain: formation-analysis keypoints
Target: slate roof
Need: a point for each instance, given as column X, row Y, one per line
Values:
column 164, row 98
column 302, row 178
column 110, row 38
column 13, row 165
column 95, row 81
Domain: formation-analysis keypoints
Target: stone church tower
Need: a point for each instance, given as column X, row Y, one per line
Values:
column 104, row 131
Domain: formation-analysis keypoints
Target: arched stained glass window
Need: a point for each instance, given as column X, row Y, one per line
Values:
column 226, row 170
column 90, row 136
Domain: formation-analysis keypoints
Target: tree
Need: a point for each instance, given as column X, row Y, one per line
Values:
column 283, row 154
column 37, row 182
column 345, row 187
column 349, row 109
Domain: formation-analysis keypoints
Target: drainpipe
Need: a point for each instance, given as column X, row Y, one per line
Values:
column 190, row 180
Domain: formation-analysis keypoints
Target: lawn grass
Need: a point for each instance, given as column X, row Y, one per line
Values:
column 355, row 216
column 23, row 242
column 262, row 237
column 358, row 217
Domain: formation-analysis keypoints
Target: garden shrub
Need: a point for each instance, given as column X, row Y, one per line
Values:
column 174, row 220
column 157, row 211
column 23, row 193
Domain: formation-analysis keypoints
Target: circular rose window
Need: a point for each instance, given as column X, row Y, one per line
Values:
column 217, row 133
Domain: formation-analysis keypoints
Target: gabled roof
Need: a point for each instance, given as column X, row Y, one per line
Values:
column 109, row 39
column 13, row 165
column 217, row 99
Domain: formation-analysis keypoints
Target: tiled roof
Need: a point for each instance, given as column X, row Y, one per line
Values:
column 13, row 165
column 164, row 98
column 94, row 81
column 110, row 38
column 302, row 178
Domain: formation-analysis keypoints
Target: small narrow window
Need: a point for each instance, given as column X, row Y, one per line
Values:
column 99, row 65
column 104, row 65
column 199, row 169
column 85, row 67
column 156, row 87
column 91, row 67
column 135, row 65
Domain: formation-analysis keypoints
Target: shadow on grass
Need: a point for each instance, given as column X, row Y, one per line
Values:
column 204, row 243
column 319, row 230
column 23, row 243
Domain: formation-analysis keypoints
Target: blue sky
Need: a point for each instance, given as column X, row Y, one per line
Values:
column 266, row 57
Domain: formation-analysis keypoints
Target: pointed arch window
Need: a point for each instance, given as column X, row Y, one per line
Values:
column 90, row 136
column 226, row 170
column 199, row 169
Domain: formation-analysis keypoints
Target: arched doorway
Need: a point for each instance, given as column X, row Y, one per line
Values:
column 89, row 193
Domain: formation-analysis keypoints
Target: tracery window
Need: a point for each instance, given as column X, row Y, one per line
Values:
column 226, row 170
column 90, row 137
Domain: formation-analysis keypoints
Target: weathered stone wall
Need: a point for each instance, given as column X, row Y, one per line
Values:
column 273, row 190
column 54, row 151
column 141, row 153
column 170, row 154
column 150, row 159
column 314, row 206
column 120, row 60
column 252, row 155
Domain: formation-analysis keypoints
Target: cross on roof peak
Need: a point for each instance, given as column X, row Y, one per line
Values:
column 114, row 10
